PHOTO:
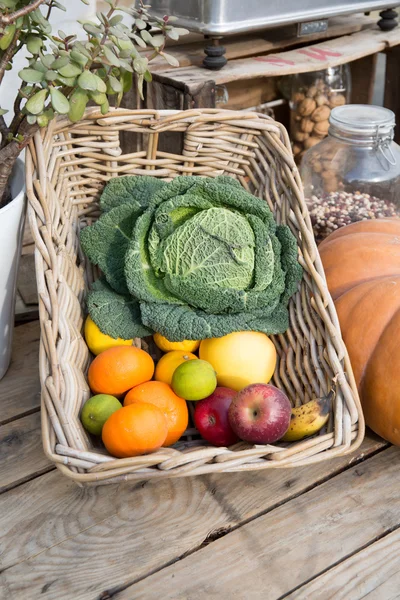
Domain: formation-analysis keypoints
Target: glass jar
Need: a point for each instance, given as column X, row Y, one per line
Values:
column 354, row 174
column 312, row 99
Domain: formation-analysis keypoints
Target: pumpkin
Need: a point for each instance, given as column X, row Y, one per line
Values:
column 362, row 266
column 361, row 252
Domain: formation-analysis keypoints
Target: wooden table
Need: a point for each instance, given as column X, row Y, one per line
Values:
column 330, row 531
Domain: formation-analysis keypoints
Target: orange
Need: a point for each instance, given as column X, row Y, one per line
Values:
column 174, row 408
column 117, row 370
column 169, row 362
column 135, row 429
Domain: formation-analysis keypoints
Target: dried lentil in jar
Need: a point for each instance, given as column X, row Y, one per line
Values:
column 353, row 174
column 337, row 209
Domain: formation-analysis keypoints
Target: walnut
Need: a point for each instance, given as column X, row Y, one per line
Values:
column 321, row 128
column 328, row 174
column 300, row 156
column 330, row 153
column 306, row 107
column 331, row 185
column 306, row 125
column 298, row 97
column 300, row 136
column 312, row 91
column 321, row 99
column 296, row 149
column 315, row 158
column 337, row 100
column 310, row 142
column 317, row 167
column 326, row 164
column 321, row 113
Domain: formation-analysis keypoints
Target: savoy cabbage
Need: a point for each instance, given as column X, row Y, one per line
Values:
column 191, row 259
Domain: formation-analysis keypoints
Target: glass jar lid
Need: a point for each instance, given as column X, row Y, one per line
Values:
column 363, row 120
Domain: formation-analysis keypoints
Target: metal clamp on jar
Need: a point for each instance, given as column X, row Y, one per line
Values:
column 354, row 174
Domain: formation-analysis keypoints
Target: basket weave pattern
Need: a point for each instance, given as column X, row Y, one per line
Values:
column 67, row 166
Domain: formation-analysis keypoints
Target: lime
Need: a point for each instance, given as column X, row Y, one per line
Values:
column 96, row 411
column 168, row 363
column 194, row 380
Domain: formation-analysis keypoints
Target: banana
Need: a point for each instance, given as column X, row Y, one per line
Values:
column 308, row 418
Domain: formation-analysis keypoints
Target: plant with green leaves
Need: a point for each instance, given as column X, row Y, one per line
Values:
column 65, row 73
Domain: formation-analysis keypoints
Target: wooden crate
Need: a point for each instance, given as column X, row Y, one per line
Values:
column 257, row 63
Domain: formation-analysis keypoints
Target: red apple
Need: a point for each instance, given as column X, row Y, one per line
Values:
column 260, row 414
column 211, row 417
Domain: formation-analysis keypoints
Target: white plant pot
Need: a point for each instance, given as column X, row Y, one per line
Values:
column 12, row 218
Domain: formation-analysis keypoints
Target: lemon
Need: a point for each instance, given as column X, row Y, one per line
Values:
column 169, row 362
column 240, row 358
column 166, row 346
column 98, row 342
column 96, row 411
column 194, row 380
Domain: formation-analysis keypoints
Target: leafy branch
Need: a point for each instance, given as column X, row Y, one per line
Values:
column 64, row 73
column 4, row 129
column 10, row 51
column 6, row 19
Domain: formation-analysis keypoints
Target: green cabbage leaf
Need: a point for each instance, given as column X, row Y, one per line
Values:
column 191, row 259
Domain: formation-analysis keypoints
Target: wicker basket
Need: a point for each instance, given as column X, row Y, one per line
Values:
column 67, row 166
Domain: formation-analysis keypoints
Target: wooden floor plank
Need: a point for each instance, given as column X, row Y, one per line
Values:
column 26, row 283
column 20, row 388
column 280, row 550
column 95, row 539
column 23, row 312
column 21, row 452
column 373, row 574
column 106, row 533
